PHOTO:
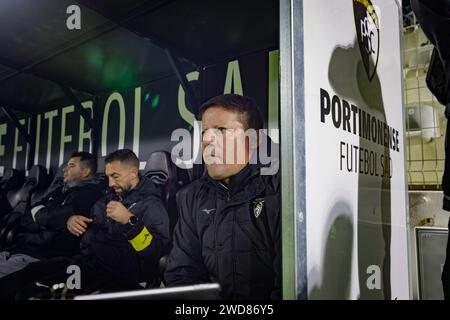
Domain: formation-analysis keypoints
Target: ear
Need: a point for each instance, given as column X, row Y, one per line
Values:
column 135, row 172
column 253, row 140
column 86, row 172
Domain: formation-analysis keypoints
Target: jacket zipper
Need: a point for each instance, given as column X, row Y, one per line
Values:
column 233, row 260
column 226, row 190
column 216, row 218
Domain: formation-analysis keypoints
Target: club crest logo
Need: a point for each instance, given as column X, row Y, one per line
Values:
column 258, row 205
column 367, row 26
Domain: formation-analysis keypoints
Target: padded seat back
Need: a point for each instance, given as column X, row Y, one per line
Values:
column 100, row 175
column 163, row 172
column 20, row 199
column 12, row 179
column 58, row 181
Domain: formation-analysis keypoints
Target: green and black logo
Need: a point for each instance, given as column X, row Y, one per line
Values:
column 258, row 205
column 368, row 33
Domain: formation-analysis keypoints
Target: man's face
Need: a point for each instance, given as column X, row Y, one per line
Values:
column 74, row 170
column 225, row 148
column 120, row 176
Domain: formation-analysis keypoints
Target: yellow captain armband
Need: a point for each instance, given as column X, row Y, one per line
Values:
column 142, row 240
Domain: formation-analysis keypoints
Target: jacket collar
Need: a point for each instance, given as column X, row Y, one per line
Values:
column 81, row 183
column 239, row 182
column 144, row 188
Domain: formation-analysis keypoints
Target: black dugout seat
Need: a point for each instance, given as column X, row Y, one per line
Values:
column 163, row 172
column 100, row 175
column 58, row 181
column 101, row 166
column 37, row 179
column 20, row 202
column 12, row 179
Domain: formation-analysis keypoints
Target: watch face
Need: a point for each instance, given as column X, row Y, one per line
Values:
column 133, row 219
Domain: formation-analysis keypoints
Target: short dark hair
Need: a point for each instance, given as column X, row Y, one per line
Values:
column 87, row 159
column 246, row 106
column 123, row 155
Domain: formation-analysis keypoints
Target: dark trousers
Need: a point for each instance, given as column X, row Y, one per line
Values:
column 22, row 284
column 446, row 205
column 446, row 272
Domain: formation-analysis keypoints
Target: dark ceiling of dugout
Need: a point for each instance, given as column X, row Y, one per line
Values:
column 121, row 44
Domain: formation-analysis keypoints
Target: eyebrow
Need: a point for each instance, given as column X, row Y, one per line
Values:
column 114, row 175
column 218, row 127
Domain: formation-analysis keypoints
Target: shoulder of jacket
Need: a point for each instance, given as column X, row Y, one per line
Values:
column 88, row 187
column 84, row 194
column 191, row 190
column 272, row 182
column 186, row 191
column 101, row 202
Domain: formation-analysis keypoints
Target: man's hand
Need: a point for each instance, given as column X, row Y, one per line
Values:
column 77, row 224
column 116, row 211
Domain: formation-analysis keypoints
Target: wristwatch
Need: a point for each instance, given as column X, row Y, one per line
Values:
column 133, row 220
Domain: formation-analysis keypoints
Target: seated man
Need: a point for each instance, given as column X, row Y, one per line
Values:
column 121, row 244
column 46, row 235
column 229, row 225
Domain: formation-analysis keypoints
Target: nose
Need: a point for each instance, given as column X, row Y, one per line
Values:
column 206, row 142
column 209, row 137
column 206, row 137
column 111, row 183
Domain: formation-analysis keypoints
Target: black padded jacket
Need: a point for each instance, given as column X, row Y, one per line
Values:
column 230, row 235
column 133, row 252
column 48, row 237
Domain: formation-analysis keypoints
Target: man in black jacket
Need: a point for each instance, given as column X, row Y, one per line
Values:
column 434, row 18
column 130, row 228
column 121, row 244
column 45, row 234
column 229, row 225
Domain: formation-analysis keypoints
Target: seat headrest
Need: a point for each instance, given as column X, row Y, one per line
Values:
column 58, row 178
column 38, row 175
column 8, row 174
column 101, row 165
column 12, row 178
column 159, row 167
column 59, row 172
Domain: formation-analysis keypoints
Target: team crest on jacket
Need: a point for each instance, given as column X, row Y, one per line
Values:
column 368, row 32
column 258, row 205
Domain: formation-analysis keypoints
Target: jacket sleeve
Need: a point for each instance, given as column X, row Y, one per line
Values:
column 150, row 236
column 27, row 223
column 276, row 293
column 77, row 202
column 185, row 265
column 29, row 219
column 274, row 216
column 39, row 238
